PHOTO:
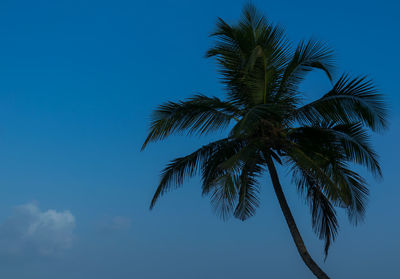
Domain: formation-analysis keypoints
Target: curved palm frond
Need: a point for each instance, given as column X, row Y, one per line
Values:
column 350, row 101
column 216, row 165
column 178, row 169
column 225, row 195
column 324, row 220
column 351, row 142
column 329, row 183
column 323, row 154
column 309, row 55
column 356, row 145
column 231, row 177
column 354, row 191
column 248, row 200
column 314, row 164
column 330, row 172
column 199, row 114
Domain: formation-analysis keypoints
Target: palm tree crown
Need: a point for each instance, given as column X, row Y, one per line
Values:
column 319, row 141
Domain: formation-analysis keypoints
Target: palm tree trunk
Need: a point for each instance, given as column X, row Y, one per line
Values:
column 298, row 240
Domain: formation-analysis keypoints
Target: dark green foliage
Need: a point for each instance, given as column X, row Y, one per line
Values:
column 318, row 141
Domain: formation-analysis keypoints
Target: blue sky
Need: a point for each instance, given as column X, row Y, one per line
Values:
column 78, row 81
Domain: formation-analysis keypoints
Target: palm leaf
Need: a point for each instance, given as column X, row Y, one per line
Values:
column 246, row 52
column 350, row 101
column 180, row 168
column 224, row 195
column 348, row 141
column 324, row 220
column 248, row 190
column 199, row 114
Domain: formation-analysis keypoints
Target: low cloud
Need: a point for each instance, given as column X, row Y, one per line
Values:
column 33, row 231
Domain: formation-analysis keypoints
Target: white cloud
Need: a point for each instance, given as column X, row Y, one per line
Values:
column 30, row 230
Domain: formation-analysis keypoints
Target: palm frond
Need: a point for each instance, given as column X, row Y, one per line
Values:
column 356, row 144
column 323, row 213
column 309, row 55
column 350, row 142
column 350, row 101
column 342, row 186
column 225, row 195
column 213, row 169
column 250, row 55
column 180, row 168
column 354, row 192
column 199, row 114
column 324, row 219
column 230, row 175
column 248, row 200
column 313, row 164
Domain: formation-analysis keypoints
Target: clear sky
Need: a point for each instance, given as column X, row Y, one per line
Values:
column 78, row 81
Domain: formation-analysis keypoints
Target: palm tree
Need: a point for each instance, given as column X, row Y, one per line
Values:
column 269, row 124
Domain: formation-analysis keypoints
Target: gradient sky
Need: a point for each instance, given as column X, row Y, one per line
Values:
column 78, row 81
